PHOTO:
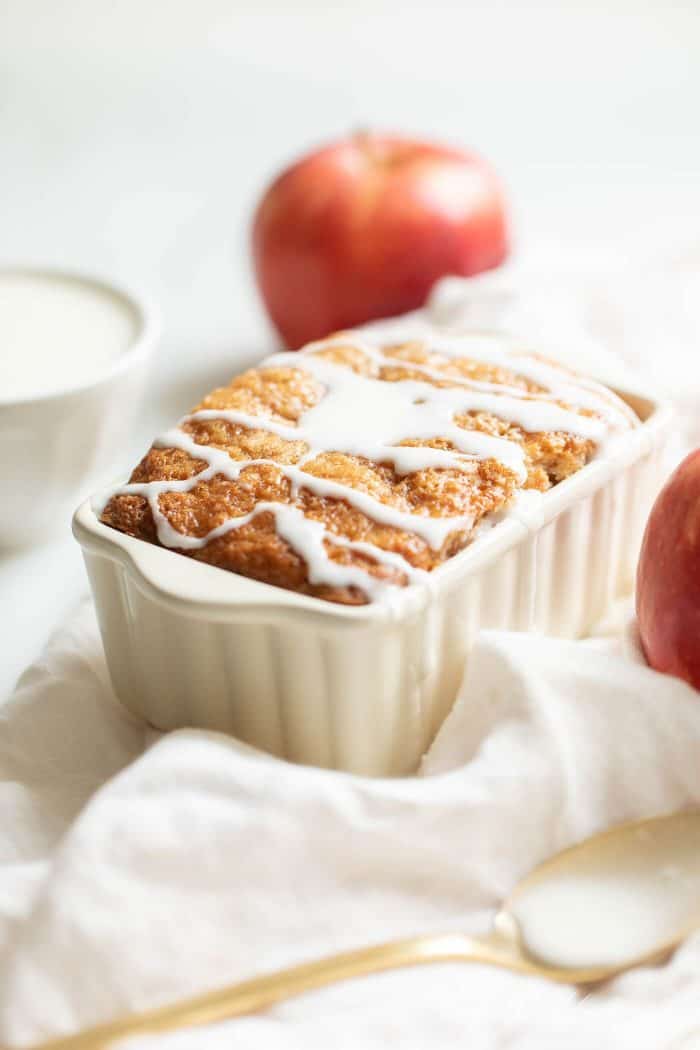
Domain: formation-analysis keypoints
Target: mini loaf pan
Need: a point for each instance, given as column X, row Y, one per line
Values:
column 364, row 689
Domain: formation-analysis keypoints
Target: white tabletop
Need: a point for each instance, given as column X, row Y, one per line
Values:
column 134, row 140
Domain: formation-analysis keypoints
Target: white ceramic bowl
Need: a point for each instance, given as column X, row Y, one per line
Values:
column 53, row 446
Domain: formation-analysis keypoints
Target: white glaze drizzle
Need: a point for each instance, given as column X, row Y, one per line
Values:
column 496, row 349
column 424, row 410
column 433, row 530
column 368, row 417
column 405, row 460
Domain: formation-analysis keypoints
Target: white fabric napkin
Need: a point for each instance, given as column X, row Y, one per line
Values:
column 135, row 868
column 138, row 868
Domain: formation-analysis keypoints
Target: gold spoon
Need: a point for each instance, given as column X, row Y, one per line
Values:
column 615, row 901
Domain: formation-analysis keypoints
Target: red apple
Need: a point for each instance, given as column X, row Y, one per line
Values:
column 363, row 228
column 668, row 576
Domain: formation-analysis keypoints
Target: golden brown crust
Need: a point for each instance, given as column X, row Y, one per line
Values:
column 283, row 394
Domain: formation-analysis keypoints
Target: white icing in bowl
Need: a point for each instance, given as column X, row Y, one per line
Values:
column 60, row 331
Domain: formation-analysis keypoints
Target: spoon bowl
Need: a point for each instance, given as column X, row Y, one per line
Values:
column 615, row 900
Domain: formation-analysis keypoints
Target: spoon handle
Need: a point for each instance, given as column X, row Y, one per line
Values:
column 260, row 992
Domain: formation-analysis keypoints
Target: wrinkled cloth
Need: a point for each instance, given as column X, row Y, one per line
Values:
column 138, row 868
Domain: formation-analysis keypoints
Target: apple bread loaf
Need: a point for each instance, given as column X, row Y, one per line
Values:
column 364, row 461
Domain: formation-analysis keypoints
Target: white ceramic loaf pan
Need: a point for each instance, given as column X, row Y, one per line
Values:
column 364, row 688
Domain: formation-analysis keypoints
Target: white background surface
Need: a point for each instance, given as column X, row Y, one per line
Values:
column 135, row 138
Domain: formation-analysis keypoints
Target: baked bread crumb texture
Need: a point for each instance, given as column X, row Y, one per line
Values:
column 364, row 461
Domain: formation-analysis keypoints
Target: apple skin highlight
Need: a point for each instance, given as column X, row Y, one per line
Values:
column 668, row 576
column 363, row 228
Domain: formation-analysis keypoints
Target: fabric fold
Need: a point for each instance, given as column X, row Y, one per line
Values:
column 165, row 866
